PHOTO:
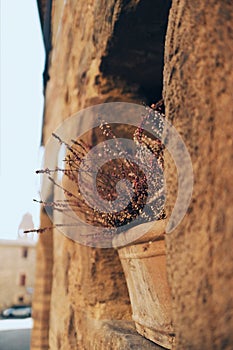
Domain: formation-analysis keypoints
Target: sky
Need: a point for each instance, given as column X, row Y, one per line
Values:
column 22, row 63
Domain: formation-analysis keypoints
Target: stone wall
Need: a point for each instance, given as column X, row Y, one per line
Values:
column 198, row 80
column 109, row 50
column 42, row 293
column 85, row 298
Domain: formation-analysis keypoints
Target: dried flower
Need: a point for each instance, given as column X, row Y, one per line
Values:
column 149, row 149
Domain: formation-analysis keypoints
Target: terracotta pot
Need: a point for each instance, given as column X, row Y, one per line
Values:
column 144, row 264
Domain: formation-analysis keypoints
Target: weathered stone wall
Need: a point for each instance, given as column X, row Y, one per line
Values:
column 198, row 80
column 42, row 293
column 111, row 50
column 88, row 287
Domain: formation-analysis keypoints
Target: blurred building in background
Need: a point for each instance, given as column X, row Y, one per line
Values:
column 17, row 258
